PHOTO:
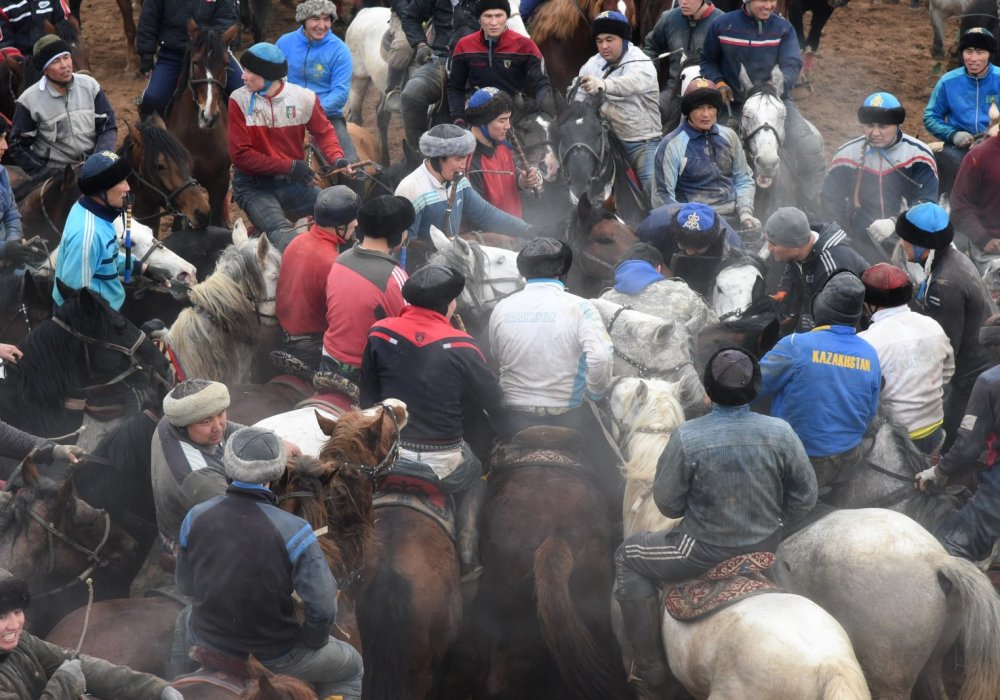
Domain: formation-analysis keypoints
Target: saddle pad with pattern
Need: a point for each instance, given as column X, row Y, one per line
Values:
column 724, row 584
column 418, row 494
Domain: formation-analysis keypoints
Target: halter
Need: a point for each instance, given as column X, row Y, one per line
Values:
column 129, row 352
column 21, row 310
column 93, row 555
column 169, row 207
column 645, row 372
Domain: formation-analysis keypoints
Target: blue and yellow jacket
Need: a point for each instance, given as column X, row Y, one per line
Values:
column 961, row 102
column 323, row 66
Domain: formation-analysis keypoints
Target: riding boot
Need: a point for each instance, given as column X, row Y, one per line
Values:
column 649, row 674
column 467, row 513
column 393, row 88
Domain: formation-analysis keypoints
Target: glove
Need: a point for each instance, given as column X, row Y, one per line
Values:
column 461, row 122
column 146, row 63
column 23, row 253
column 962, row 139
column 73, row 672
column 726, row 91
column 424, row 54
column 68, row 453
column 929, row 477
column 530, row 180
column 592, row 85
column 881, row 229
column 301, row 173
column 748, row 221
column 170, row 693
column 343, row 163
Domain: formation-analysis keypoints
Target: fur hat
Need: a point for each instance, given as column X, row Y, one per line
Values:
column 977, row 38
column 484, row 5
column 886, row 285
column 544, row 257
column 696, row 226
column 385, row 216
column 315, row 8
column 266, row 60
column 732, row 377
column 446, row 140
column 47, row 49
column 701, row 91
column 611, row 22
column 926, row 225
column 881, row 108
column 788, row 227
column 254, row 455
column 486, row 104
column 840, row 301
column 14, row 593
column 336, row 206
column 433, row 287
column 195, row 400
column 102, row 171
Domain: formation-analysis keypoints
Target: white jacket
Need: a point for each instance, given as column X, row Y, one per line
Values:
column 917, row 361
column 551, row 346
column 631, row 95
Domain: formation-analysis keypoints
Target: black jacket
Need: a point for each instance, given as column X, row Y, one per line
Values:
column 980, row 428
column 22, row 22
column 449, row 24
column 163, row 23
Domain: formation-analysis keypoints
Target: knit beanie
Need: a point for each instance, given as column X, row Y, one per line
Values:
column 385, row 216
column 544, row 257
column 701, row 91
column 446, row 140
column 881, row 108
column 696, row 226
column 788, row 227
column 315, row 8
column 732, row 377
column 977, row 38
column 47, row 49
column 102, row 171
column 611, row 22
column 840, row 302
column 925, row 225
column 886, row 285
column 484, row 5
column 254, row 455
column 434, row 287
column 195, row 400
column 14, row 593
column 266, row 60
column 486, row 104
column 336, row 206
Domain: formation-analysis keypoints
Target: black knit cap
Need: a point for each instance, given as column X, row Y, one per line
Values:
column 486, row 104
column 385, row 216
column 47, row 48
column 544, row 257
column 484, row 5
column 611, row 22
column 266, row 60
column 926, row 225
column 977, row 38
column 732, row 377
column 14, row 593
column 434, row 287
column 886, row 286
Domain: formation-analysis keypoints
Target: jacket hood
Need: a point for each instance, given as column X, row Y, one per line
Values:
column 633, row 276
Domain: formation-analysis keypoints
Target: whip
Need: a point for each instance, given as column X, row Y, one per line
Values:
column 128, row 237
column 536, row 192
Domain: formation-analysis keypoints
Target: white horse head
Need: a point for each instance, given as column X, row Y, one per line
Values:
column 762, row 125
column 178, row 272
column 491, row 274
column 733, row 292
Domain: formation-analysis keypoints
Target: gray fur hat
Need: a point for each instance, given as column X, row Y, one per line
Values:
column 195, row 400
column 446, row 140
column 788, row 227
column 315, row 8
column 336, row 206
column 840, row 302
column 254, row 455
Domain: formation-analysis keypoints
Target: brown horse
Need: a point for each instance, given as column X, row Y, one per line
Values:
column 599, row 239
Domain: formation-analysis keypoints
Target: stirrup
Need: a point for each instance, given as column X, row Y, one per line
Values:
column 394, row 101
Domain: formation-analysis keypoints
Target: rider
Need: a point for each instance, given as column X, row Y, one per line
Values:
column 12, row 248
column 162, row 33
column 440, row 373
column 22, row 22
column 42, row 141
column 953, row 294
column 624, row 79
column 958, row 111
column 491, row 168
column 320, row 61
column 441, row 194
column 974, row 206
column 825, row 383
column 658, row 229
column 33, row 668
column 365, row 284
column 811, row 255
column 758, row 40
column 305, row 266
column 268, row 120
column 914, row 353
column 88, row 253
column 681, row 29
column 240, row 559
column 703, row 161
column 497, row 57
column 717, row 459
column 874, row 177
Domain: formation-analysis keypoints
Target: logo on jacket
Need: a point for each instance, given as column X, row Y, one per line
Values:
column 290, row 111
column 506, row 63
column 419, row 337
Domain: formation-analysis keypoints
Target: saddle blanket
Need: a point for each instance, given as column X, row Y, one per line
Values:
column 724, row 584
column 418, row 494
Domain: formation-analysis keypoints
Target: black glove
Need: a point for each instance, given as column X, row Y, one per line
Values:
column 343, row 163
column 146, row 63
column 25, row 254
column 424, row 54
column 301, row 173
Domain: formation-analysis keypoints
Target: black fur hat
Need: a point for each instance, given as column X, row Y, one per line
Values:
column 926, row 225
column 544, row 257
column 14, row 593
column 486, row 104
column 977, row 38
column 732, row 377
column 433, row 287
column 385, row 216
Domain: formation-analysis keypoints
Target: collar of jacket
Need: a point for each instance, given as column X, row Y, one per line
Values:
column 256, row 492
column 98, row 209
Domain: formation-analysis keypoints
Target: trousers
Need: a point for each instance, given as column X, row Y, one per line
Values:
column 971, row 531
column 423, row 89
column 266, row 199
column 167, row 71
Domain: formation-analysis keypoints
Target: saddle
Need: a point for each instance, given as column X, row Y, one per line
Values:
column 217, row 669
column 724, row 584
column 541, row 446
column 413, row 485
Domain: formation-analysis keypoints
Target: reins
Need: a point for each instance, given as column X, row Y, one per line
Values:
column 130, row 352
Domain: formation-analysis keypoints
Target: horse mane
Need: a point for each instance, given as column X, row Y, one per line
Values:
column 10, row 293
column 18, row 502
column 579, row 109
column 67, row 31
column 155, row 142
column 557, row 20
column 114, row 487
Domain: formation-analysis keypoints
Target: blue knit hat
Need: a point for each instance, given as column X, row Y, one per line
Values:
column 926, row 225
column 611, row 22
column 266, row 60
column 696, row 225
column 881, row 108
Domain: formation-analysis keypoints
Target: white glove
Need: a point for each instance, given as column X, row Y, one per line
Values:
column 929, row 477
column 749, row 222
column 882, row 229
column 962, row 139
column 171, row 693
column 592, row 85
column 74, row 672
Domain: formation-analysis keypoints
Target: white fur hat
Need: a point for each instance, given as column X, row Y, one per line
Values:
column 254, row 455
column 195, row 400
column 315, row 8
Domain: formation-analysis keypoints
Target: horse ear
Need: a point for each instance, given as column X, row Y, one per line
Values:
column 609, row 203
column 29, row 473
column 69, row 178
column 263, row 248
column 327, row 425
column 65, row 291
column 777, row 80
column 440, row 241
column 48, row 27
column 134, row 134
column 641, row 391
column 192, row 28
column 75, row 22
column 88, row 302
column 518, row 102
column 255, row 669
column 240, row 232
column 584, row 210
column 66, row 499
column 12, row 65
column 663, row 331
column 230, row 34
column 463, row 246
column 155, row 120
column 745, row 82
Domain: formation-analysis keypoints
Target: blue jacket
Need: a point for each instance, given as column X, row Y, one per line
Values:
column 825, row 384
column 10, row 217
column 737, row 39
column 962, row 103
column 323, row 66
column 657, row 230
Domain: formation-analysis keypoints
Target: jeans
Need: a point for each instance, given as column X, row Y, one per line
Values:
column 640, row 156
column 308, row 348
column 166, row 72
column 423, row 89
column 265, row 199
column 346, row 145
column 970, row 532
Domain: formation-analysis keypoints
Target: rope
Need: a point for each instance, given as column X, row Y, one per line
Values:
column 86, row 615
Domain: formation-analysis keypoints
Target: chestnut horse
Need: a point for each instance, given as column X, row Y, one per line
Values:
column 599, row 239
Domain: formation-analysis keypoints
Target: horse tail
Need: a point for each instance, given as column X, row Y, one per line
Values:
column 980, row 628
column 585, row 670
column 384, row 620
column 841, row 680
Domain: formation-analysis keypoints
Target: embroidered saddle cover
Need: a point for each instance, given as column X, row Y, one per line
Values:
column 724, row 584
column 540, row 446
column 423, row 494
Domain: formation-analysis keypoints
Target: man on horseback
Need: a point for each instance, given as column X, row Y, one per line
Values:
column 825, row 383
column 241, row 579
column 43, row 140
column 914, row 353
column 874, row 177
column 974, row 206
column 22, row 22
column 953, row 294
column 13, row 250
column 754, row 464
column 268, row 121
column 811, row 255
column 958, row 111
column 441, row 194
column 440, row 374
column 163, row 35
column 756, row 39
column 305, row 266
column 703, row 161
column 517, row 66
column 623, row 78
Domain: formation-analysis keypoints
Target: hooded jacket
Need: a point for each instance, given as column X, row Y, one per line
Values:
column 323, row 66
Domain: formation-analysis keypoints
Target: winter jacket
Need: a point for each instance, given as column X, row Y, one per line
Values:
column 22, row 22
column 10, row 217
column 979, row 429
column 450, row 20
column 323, row 66
column 961, row 102
column 630, row 102
column 675, row 31
column 301, row 293
column 975, row 207
column 657, row 230
column 163, row 23
column 484, row 169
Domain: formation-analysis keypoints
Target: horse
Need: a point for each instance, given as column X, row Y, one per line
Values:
column 23, row 305
column 198, row 114
column 215, row 338
column 821, row 11
column 598, row 238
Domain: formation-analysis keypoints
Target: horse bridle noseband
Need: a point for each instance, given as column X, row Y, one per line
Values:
column 129, row 352
column 645, row 372
column 170, row 208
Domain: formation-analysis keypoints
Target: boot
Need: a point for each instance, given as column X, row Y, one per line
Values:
column 393, row 89
column 649, row 674
column 467, row 512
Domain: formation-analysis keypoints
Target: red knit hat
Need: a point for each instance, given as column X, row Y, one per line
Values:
column 886, row 285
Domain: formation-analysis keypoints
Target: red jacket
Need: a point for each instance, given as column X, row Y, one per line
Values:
column 301, row 294
column 498, row 190
column 975, row 206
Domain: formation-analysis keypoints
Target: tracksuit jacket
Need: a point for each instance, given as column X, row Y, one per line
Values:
column 323, row 66
column 163, row 23
column 961, row 102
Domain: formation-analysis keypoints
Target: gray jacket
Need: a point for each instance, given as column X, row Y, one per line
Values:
column 675, row 31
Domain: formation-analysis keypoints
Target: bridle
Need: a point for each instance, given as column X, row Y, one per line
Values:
column 169, row 207
column 21, row 311
column 605, row 169
column 764, row 126
column 131, row 352
column 645, row 371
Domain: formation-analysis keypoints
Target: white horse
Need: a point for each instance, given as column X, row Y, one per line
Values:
column 777, row 646
column 491, row 274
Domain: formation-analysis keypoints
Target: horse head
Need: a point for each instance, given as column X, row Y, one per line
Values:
column 599, row 238
column 584, row 152
column 164, row 265
column 762, row 124
column 366, row 439
column 264, row 685
column 206, row 63
column 536, row 131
